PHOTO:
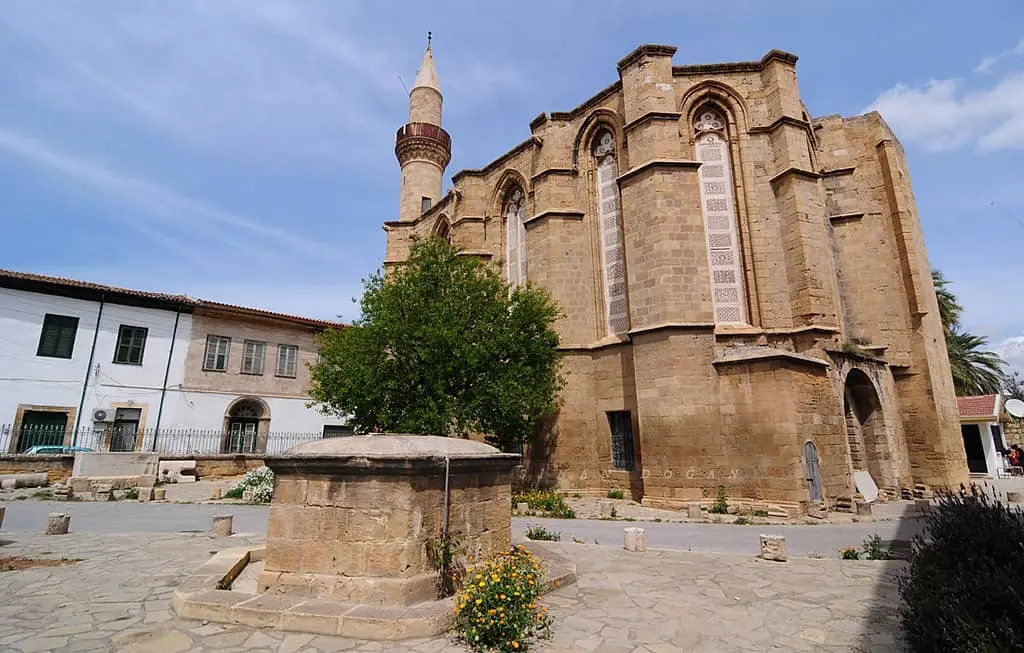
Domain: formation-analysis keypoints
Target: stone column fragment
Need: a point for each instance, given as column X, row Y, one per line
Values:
column 773, row 547
column 636, row 539
column 222, row 525
column 58, row 523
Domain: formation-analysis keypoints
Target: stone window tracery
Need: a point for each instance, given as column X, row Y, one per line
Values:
column 515, row 237
column 612, row 254
column 719, row 206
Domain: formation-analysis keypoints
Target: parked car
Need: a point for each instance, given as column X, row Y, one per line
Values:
column 51, row 449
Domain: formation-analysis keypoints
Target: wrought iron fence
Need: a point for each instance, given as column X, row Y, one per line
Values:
column 50, row 439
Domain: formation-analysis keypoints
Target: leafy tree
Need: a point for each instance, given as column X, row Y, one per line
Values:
column 975, row 369
column 444, row 346
column 950, row 309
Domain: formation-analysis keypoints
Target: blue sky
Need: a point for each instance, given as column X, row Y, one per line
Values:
column 242, row 150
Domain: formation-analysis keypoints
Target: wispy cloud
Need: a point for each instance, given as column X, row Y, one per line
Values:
column 951, row 113
column 1012, row 351
column 172, row 219
column 989, row 62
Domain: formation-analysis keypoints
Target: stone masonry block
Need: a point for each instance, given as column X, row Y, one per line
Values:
column 773, row 547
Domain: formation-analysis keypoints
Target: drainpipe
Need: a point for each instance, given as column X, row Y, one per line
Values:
column 444, row 515
column 167, row 374
column 88, row 371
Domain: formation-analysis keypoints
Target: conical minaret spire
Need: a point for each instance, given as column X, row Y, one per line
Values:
column 422, row 147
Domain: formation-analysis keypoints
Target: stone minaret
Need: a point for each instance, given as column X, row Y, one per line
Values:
column 422, row 147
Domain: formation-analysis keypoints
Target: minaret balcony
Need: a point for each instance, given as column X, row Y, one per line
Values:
column 421, row 139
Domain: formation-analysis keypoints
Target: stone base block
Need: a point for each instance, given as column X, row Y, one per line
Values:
column 863, row 509
column 222, row 525
column 1014, row 497
column 351, row 589
column 58, row 523
column 636, row 539
column 177, row 471
column 773, row 547
column 693, row 511
column 86, row 484
column 606, row 509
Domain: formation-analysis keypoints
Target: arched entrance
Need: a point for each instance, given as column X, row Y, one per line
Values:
column 246, row 424
column 865, row 427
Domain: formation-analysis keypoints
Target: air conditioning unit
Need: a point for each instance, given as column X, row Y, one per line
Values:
column 100, row 415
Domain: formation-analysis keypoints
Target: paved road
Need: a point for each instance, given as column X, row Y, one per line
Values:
column 130, row 517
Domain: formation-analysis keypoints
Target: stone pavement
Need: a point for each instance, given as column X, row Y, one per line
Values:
column 116, row 599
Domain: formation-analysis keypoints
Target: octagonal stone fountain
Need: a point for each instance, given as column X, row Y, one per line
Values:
column 347, row 536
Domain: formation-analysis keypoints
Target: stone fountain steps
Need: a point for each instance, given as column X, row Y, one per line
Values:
column 199, row 597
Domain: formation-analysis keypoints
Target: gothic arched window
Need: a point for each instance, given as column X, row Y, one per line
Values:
column 612, row 255
column 719, row 206
column 515, row 236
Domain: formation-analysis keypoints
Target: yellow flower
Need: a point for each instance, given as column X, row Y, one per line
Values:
column 479, row 601
column 501, row 596
column 515, row 644
column 481, row 583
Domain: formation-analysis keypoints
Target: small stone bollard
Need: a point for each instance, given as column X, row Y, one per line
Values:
column 8, row 484
column 222, row 526
column 216, row 494
column 606, row 508
column 636, row 539
column 57, row 523
column 103, row 493
column 773, row 547
column 145, row 494
column 159, row 493
column 863, row 509
column 1013, row 497
column 522, row 507
column 247, row 496
column 693, row 510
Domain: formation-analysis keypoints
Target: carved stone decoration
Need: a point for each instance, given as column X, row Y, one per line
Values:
column 709, row 121
column 605, row 145
column 515, row 237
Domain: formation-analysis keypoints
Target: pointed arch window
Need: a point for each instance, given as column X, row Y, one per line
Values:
column 515, row 237
column 719, row 207
column 612, row 254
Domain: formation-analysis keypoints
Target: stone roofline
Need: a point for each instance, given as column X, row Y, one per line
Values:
column 600, row 96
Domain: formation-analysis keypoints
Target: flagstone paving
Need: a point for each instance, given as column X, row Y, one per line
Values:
column 117, row 599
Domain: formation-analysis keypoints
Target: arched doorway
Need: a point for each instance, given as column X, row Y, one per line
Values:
column 246, row 424
column 865, row 427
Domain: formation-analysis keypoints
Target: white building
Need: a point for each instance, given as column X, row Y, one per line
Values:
column 83, row 364
column 983, row 434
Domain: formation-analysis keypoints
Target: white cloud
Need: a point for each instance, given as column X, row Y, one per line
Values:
column 950, row 113
column 989, row 62
column 173, row 220
column 1012, row 351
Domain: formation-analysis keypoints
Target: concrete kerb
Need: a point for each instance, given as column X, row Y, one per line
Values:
column 200, row 597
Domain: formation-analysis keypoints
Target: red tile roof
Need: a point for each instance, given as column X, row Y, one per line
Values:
column 977, row 406
column 42, row 283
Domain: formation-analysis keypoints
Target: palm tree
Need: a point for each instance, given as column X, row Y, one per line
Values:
column 949, row 306
column 975, row 370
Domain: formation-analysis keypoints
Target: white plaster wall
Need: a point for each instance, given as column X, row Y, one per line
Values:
column 993, row 460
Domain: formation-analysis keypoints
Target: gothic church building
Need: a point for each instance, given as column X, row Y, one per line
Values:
column 746, row 294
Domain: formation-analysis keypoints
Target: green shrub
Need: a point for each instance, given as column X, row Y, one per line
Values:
column 721, row 505
column 616, row 494
column 446, row 556
column 874, row 548
column 850, row 553
column 741, row 521
column 546, row 501
column 541, row 533
column 497, row 609
column 961, row 590
column 259, row 480
column 131, row 494
column 760, row 513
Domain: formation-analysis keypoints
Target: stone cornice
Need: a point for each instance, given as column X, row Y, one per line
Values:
column 671, row 116
column 490, row 167
column 482, row 253
column 742, row 355
column 647, row 50
column 845, row 217
column 587, row 105
column 737, row 67
column 348, row 465
column 568, row 172
column 604, row 343
column 836, row 172
column 563, row 214
column 658, row 163
column 784, row 120
column 797, row 172
column 673, row 326
column 468, row 218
